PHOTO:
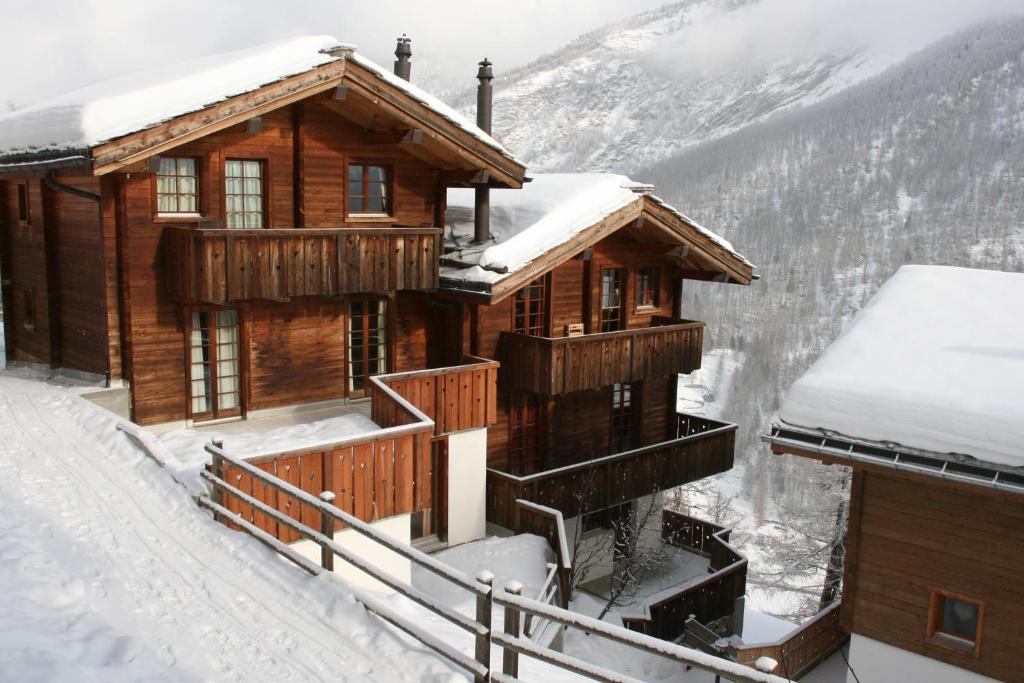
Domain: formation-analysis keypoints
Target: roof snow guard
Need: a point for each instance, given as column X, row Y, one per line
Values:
column 179, row 102
column 951, row 467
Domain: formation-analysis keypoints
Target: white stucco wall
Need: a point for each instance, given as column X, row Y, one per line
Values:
column 467, row 486
column 876, row 661
column 602, row 566
column 398, row 527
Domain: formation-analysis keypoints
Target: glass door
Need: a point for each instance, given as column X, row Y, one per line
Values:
column 612, row 282
column 214, row 370
column 367, row 344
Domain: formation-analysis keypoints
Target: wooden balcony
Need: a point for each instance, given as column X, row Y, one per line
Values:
column 701, row 449
column 217, row 266
column 560, row 365
column 379, row 473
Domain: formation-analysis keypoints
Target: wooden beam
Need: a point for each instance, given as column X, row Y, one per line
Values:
column 112, row 156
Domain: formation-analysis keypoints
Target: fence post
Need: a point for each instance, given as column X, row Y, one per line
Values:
column 217, row 470
column 484, row 605
column 327, row 529
column 510, row 658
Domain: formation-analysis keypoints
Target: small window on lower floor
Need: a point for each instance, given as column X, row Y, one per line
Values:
column 955, row 621
column 30, row 309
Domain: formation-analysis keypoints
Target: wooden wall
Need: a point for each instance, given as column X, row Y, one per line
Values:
column 59, row 254
column 305, row 148
column 910, row 535
column 577, row 425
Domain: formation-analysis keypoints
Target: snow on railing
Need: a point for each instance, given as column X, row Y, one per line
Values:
column 511, row 639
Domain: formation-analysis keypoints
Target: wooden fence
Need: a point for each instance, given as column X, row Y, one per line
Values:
column 511, row 639
column 603, row 482
column 385, row 472
column 707, row 597
column 217, row 266
column 559, row 365
column 801, row 650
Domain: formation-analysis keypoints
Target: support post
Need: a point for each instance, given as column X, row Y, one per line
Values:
column 217, row 470
column 327, row 529
column 509, row 657
column 484, row 607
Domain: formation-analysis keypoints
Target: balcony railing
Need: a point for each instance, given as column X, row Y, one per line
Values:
column 703, row 448
column 379, row 473
column 703, row 598
column 560, row 365
column 218, row 266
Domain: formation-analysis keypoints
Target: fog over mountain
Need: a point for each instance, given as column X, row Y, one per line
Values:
column 828, row 169
column 637, row 91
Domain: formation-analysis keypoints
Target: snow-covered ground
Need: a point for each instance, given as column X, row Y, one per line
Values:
column 111, row 573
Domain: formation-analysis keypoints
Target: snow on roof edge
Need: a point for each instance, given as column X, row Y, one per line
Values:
column 97, row 113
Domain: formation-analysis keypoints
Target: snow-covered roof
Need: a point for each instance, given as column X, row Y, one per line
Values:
column 934, row 362
column 104, row 111
column 527, row 223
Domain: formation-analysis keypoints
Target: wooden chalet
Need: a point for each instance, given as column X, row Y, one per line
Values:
column 930, row 420
column 278, row 227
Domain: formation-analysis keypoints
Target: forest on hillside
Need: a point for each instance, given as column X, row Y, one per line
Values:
column 922, row 164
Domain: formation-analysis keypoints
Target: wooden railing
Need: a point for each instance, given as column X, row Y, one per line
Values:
column 603, row 482
column 706, row 598
column 458, row 398
column 531, row 518
column 801, row 650
column 510, row 638
column 217, row 266
column 385, row 472
column 559, row 365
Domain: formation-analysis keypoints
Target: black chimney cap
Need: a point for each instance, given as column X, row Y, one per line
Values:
column 404, row 47
column 485, row 73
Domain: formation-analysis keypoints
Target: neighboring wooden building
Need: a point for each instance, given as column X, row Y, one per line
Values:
column 929, row 416
column 267, row 230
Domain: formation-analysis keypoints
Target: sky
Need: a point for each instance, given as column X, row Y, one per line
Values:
column 62, row 44
column 59, row 45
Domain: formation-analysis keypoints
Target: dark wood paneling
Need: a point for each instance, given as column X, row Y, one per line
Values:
column 561, row 365
column 229, row 266
column 913, row 535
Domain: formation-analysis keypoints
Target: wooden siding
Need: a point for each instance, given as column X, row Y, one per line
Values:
column 553, row 366
column 225, row 266
column 915, row 534
column 304, row 188
column 615, row 479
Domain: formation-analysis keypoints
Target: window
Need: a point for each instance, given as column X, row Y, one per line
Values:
column 528, row 309
column 611, row 298
column 369, row 190
column 621, row 438
column 524, row 432
column 367, row 348
column 29, row 318
column 648, row 284
column 23, row 202
column 215, row 387
column 177, row 186
column 243, row 193
column 955, row 621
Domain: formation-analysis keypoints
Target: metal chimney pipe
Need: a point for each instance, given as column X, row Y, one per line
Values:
column 482, row 205
column 403, row 51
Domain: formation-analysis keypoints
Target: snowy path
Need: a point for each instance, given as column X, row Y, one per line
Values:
column 110, row 572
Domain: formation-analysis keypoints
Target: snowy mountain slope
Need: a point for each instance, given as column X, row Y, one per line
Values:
column 638, row 91
column 922, row 164
column 110, row 572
